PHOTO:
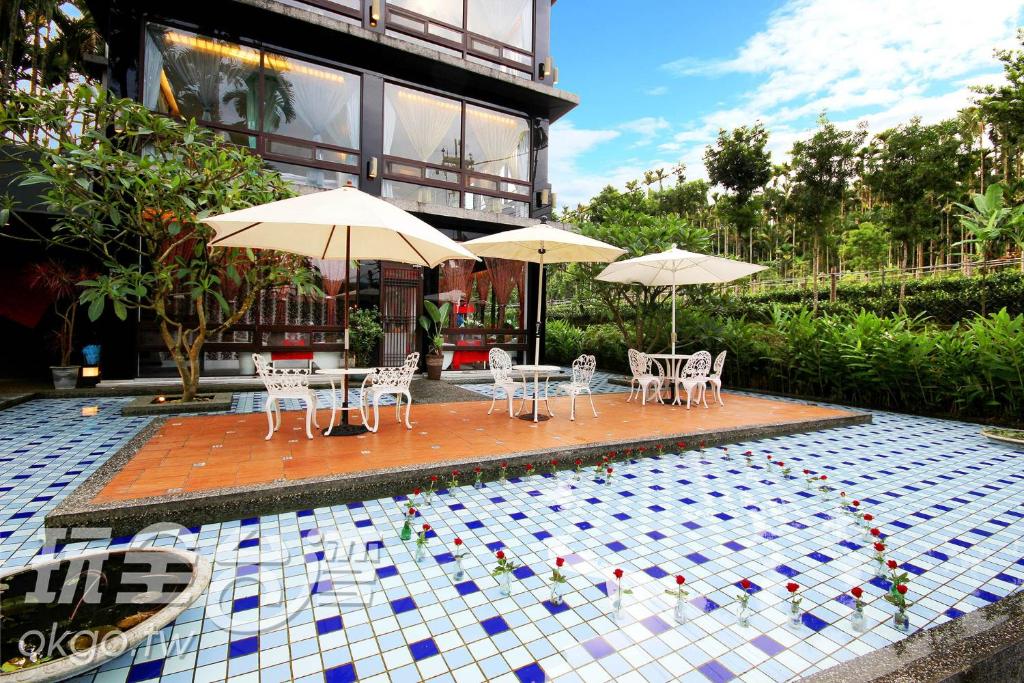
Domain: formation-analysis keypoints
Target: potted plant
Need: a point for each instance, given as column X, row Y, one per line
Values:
column 432, row 322
column 61, row 282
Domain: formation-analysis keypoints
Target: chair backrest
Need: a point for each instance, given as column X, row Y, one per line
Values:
column 698, row 365
column 638, row 362
column 583, row 370
column 398, row 377
column 500, row 364
column 716, row 371
column 281, row 381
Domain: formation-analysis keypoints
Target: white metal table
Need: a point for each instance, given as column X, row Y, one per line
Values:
column 343, row 427
column 536, row 371
column 674, row 367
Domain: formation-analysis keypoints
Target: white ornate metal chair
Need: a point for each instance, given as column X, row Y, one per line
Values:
column 500, row 364
column 715, row 378
column 282, row 383
column 582, row 374
column 647, row 373
column 694, row 377
column 389, row 381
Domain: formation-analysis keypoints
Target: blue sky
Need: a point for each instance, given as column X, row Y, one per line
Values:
column 658, row 79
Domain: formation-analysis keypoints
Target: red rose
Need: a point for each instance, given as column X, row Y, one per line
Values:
column 618, row 573
column 426, row 527
column 680, row 580
column 559, row 561
column 842, row 494
column 880, row 547
column 823, row 477
column 891, row 564
column 780, row 463
column 458, row 541
column 477, row 470
column 554, row 462
column 703, row 443
column 416, row 491
column 807, row 471
column 769, row 457
column 455, row 473
column 681, row 444
column 792, row 587
column 876, row 533
column 500, row 555
column 749, row 453
column 412, row 511
column 610, row 469
column 745, row 584
column 578, row 461
column 504, row 464
column 902, row 588
column 857, row 592
column 433, row 477
column 856, row 503
column 868, row 517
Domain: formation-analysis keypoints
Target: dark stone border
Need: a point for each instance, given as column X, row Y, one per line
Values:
column 144, row 405
column 197, row 508
column 986, row 645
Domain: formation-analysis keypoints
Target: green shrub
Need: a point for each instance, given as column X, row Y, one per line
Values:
column 563, row 342
column 605, row 342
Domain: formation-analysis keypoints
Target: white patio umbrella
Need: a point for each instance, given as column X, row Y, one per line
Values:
column 676, row 267
column 542, row 244
column 337, row 224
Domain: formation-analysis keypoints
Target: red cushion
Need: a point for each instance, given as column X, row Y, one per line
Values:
column 291, row 355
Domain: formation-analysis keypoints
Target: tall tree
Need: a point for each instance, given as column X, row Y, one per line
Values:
column 1002, row 106
column 740, row 161
column 823, row 166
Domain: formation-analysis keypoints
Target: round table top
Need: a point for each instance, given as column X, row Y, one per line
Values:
column 551, row 369
column 341, row 372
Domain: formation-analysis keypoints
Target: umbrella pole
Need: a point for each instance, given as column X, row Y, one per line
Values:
column 536, row 343
column 346, row 429
column 673, row 313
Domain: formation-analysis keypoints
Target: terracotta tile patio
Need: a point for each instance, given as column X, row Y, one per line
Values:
column 206, row 453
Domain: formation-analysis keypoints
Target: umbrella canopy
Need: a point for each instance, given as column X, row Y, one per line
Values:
column 676, row 267
column 337, row 224
column 543, row 244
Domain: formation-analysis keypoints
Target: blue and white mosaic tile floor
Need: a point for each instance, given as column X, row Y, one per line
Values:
column 333, row 595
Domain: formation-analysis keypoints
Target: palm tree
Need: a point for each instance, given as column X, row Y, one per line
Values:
column 990, row 221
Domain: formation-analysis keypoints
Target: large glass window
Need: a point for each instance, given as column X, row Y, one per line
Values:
column 422, row 127
column 506, row 21
column 447, row 11
column 195, row 77
column 310, row 102
column 303, row 117
column 426, row 160
column 497, row 144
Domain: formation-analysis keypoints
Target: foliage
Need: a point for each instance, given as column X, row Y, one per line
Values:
column 865, row 247
column 990, row 221
column 132, row 189
column 61, row 282
column 432, row 321
column 605, row 343
column 44, row 43
column 741, row 162
column 365, row 332
column 563, row 342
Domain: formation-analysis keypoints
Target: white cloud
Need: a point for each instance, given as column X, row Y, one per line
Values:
column 646, row 128
column 657, row 91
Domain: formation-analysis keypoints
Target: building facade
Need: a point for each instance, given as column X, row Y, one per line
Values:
column 441, row 106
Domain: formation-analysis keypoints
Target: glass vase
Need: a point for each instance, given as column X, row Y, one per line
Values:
column 460, row 570
column 428, row 498
column 879, row 570
column 577, row 476
column 857, row 620
column 743, row 615
column 556, row 593
column 406, row 533
column 679, row 613
column 478, row 484
column 421, row 551
column 617, row 608
column 794, row 615
column 901, row 620
column 505, row 584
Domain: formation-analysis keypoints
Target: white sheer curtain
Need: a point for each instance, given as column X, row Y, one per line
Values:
column 448, row 11
column 329, row 109
column 499, row 143
column 507, row 21
column 425, row 119
column 153, row 67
